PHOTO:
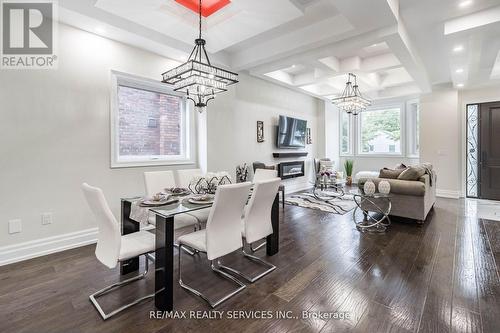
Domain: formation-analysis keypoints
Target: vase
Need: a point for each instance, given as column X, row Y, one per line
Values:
column 369, row 187
column 349, row 180
column 384, row 187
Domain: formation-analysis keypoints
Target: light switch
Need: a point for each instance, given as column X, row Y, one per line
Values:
column 15, row 226
column 46, row 218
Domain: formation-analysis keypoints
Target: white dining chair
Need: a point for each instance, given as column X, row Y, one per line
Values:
column 221, row 236
column 264, row 174
column 113, row 248
column 256, row 224
column 158, row 181
column 184, row 178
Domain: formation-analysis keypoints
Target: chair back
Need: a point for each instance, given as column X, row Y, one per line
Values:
column 185, row 176
column 109, row 238
column 257, row 221
column 158, row 181
column 223, row 233
column 264, row 174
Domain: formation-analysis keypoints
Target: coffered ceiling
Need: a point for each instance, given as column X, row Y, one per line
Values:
column 396, row 47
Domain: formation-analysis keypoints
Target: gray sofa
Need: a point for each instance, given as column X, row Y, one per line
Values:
column 410, row 199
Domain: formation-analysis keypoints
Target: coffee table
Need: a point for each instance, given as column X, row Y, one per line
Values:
column 329, row 189
column 376, row 209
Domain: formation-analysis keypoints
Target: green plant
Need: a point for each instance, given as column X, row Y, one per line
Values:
column 348, row 166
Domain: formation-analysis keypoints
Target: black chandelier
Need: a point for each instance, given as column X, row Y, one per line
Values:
column 351, row 100
column 197, row 78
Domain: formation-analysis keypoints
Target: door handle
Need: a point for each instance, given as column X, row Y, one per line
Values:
column 484, row 158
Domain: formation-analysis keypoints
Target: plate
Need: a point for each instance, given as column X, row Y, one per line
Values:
column 152, row 203
column 205, row 199
column 202, row 202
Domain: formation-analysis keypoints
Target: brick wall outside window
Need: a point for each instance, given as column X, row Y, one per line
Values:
column 149, row 123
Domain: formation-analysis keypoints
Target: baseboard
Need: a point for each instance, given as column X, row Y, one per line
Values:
column 448, row 194
column 40, row 247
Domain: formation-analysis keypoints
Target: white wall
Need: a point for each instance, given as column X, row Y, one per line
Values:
column 55, row 132
column 232, row 119
column 440, row 137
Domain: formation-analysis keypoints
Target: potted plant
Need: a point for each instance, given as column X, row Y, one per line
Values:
column 348, row 166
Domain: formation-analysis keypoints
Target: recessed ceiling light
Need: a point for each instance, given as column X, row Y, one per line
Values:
column 99, row 30
column 458, row 48
column 460, row 85
column 374, row 45
column 465, row 4
column 459, row 70
column 293, row 66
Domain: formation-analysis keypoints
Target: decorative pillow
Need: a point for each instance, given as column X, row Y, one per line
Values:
column 390, row 174
column 325, row 166
column 412, row 173
column 400, row 166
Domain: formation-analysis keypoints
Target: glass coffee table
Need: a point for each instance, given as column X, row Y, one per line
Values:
column 376, row 209
column 329, row 189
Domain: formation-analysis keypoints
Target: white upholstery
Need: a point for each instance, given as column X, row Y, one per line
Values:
column 257, row 221
column 158, row 181
column 111, row 246
column 195, row 240
column 135, row 244
column 185, row 176
column 264, row 174
column 223, row 232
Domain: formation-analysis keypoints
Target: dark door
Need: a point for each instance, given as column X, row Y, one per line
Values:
column 490, row 151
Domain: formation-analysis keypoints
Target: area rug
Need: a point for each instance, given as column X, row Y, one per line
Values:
column 339, row 206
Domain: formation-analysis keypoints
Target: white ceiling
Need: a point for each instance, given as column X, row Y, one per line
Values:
column 396, row 47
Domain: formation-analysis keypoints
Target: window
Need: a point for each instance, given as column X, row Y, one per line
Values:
column 380, row 131
column 150, row 124
column 345, row 134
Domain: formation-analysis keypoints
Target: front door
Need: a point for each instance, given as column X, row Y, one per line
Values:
column 489, row 160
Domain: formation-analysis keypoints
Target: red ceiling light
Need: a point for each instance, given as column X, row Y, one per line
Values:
column 208, row 7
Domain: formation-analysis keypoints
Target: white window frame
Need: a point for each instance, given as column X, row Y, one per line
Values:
column 408, row 137
column 412, row 129
column 132, row 81
column 351, row 136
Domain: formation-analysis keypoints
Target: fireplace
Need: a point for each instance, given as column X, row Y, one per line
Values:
column 288, row 170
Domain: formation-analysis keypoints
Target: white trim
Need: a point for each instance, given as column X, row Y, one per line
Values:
column 40, row 247
column 448, row 194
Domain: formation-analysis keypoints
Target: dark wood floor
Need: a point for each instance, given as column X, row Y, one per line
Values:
column 442, row 277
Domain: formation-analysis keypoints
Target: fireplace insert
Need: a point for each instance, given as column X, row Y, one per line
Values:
column 291, row 169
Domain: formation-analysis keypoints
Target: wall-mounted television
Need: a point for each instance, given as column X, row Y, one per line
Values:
column 291, row 132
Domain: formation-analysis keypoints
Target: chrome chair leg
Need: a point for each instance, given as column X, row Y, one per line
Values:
column 213, row 304
column 258, row 260
column 258, row 247
column 115, row 286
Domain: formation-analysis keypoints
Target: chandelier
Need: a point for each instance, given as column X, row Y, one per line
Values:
column 351, row 100
column 197, row 78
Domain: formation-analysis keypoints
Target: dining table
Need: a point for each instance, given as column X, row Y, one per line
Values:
column 164, row 242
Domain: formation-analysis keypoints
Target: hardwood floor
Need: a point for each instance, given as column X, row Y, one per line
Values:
column 442, row 277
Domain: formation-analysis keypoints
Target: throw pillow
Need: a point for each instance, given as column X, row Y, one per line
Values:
column 412, row 173
column 400, row 166
column 326, row 166
column 389, row 173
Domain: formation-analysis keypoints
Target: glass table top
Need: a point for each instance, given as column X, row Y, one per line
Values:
column 180, row 207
